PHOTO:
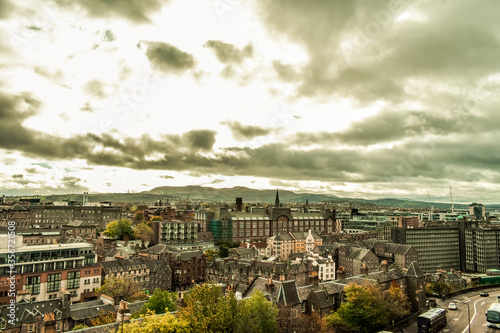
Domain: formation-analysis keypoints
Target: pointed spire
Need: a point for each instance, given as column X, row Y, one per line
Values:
column 277, row 200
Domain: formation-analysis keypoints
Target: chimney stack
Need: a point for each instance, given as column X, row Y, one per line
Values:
column 341, row 273
column 364, row 269
column 270, row 285
column 314, row 278
column 123, row 313
column 384, row 266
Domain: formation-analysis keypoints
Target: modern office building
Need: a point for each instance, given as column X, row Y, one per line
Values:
column 41, row 271
column 437, row 247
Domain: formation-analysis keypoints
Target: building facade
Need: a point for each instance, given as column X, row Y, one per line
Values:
column 43, row 270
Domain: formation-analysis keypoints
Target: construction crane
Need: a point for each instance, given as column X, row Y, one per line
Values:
column 452, row 205
column 431, row 208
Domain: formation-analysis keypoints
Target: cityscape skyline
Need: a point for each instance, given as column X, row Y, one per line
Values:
column 391, row 99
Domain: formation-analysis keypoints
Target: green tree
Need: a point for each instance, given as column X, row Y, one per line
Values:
column 152, row 323
column 78, row 327
column 397, row 303
column 104, row 318
column 224, row 252
column 209, row 310
column 364, row 310
column 123, row 287
column 211, row 254
column 257, row 315
column 156, row 218
column 143, row 232
column 119, row 229
column 160, row 302
column 439, row 287
column 139, row 216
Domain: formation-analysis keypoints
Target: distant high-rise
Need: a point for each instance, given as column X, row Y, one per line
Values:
column 477, row 210
column 239, row 205
column 85, row 199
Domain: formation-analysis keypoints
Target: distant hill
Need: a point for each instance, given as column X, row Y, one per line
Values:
column 210, row 194
column 229, row 194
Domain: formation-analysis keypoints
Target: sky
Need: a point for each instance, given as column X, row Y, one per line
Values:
column 361, row 99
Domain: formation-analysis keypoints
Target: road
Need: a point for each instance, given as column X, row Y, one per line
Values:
column 458, row 319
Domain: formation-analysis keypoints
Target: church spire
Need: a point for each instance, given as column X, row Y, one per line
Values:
column 277, row 200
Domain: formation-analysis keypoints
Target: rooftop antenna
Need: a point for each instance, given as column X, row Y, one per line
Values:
column 452, row 205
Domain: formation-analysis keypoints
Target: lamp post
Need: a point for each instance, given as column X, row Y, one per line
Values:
column 468, row 310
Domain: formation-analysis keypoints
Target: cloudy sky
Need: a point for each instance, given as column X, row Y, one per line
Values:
column 364, row 99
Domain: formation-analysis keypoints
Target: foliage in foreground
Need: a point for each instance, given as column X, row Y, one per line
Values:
column 160, row 302
column 368, row 308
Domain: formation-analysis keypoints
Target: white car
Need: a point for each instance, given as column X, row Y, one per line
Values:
column 452, row 306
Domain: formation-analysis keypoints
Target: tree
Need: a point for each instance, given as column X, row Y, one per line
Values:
column 143, row 232
column 160, row 302
column 257, row 315
column 398, row 305
column 156, row 218
column 209, row 310
column 119, row 229
column 104, row 319
column 151, row 323
column 302, row 323
column 123, row 287
column 439, row 287
column 99, row 246
column 365, row 309
column 79, row 327
column 210, row 254
column 139, row 216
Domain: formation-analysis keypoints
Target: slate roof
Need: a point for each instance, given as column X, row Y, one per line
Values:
column 288, row 294
column 115, row 266
column 135, row 306
column 390, row 275
column 187, row 255
column 276, row 212
column 322, row 298
column 332, row 287
column 156, row 249
column 414, row 270
column 92, row 309
column 26, row 312
column 283, row 237
column 304, row 292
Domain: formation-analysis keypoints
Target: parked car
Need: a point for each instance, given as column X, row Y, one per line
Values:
column 484, row 294
column 452, row 306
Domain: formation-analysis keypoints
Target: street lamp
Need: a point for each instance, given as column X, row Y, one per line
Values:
column 468, row 311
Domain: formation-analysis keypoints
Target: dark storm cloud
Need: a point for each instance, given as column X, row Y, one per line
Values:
column 360, row 50
column 138, row 11
column 18, row 176
column 228, row 53
column 247, row 132
column 460, row 156
column 286, row 72
column 5, row 8
column 168, row 58
column 72, row 183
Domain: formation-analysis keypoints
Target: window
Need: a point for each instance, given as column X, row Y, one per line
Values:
column 33, row 284
column 54, row 282
column 73, row 280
